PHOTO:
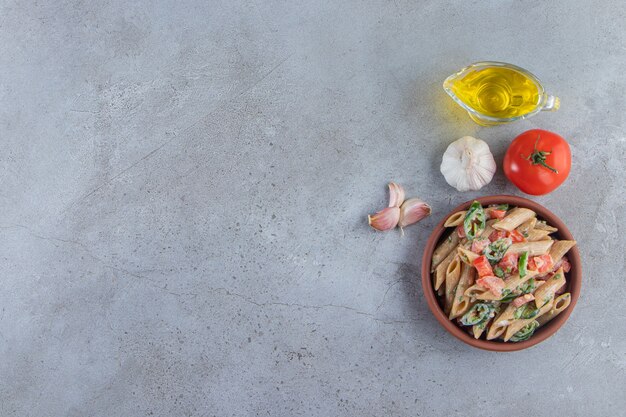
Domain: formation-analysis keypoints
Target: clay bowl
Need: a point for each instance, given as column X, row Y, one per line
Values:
column 574, row 277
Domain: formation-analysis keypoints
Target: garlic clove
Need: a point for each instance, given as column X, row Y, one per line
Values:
column 386, row 219
column 396, row 195
column 412, row 211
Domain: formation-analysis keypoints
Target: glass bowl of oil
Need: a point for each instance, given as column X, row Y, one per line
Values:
column 494, row 93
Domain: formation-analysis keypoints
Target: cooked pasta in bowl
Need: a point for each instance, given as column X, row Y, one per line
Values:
column 501, row 273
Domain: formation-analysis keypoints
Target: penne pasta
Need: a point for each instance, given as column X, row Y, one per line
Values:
column 440, row 271
column 517, row 324
column 514, row 218
column 547, row 291
column 500, row 323
column 487, row 296
column 560, row 303
column 527, row 226
column 536, row 234
column 478, row 329
column 453, row 274
column 560, row 248
column 541, row 225
column 455, row 220
column 461, row 303
column 444, row 249
column 533, row 248
column 473, row 291
column 466, row 255
column 514, row 281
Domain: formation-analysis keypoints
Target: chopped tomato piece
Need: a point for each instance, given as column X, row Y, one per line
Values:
column 566, row 265
column 478, row 245
column 520, row 301
column 541, row 263
column 509, row 262
column 496, row 214
column 563, row 263
column 460, row 230
column 483, row 266
column 495, row 285
column 498, row 234
column 516, row 236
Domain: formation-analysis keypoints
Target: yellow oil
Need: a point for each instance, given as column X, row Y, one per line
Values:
column 498, row 92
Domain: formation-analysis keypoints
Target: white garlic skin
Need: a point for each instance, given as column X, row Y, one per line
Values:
column 468, row 164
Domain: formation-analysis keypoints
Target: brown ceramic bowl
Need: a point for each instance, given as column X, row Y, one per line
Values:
column 574, row 277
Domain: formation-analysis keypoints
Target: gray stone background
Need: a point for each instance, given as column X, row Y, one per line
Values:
column 184, row 190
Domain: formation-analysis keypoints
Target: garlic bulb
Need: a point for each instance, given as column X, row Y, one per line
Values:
column 468, row 164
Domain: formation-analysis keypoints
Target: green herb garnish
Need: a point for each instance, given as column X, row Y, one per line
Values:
column 475, row 221
column 507, row 296
column 478, row 314
column 528, row 286
column 525, row 312
column 496, row 250
column 498, row 271
column 525, row 332
column 522, row 264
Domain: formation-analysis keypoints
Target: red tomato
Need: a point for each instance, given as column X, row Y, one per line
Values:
column 483, row 266
column 493, row 284
column 496, row 214
column 497, row 234
column 537, row 161
column 520, row 301
column 509, row 262
column 516, row 236
column 478, row 245
column 541, row 263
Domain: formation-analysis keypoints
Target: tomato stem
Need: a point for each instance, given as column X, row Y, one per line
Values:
column 538, row 157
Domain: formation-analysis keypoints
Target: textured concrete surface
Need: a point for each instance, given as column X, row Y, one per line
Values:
column 183, row 198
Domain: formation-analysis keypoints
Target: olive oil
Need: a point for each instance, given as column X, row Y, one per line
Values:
column 498, row 92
